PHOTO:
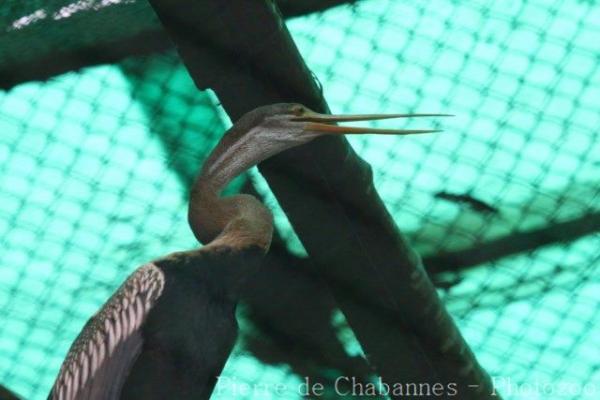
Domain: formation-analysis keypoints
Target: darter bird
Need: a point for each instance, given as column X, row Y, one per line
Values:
column 167, row 331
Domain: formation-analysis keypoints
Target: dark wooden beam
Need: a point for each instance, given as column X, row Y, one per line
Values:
column 515, row 243
column 55, row 61
column 242, row 50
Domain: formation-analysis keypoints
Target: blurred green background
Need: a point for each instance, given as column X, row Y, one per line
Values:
column 94, row 168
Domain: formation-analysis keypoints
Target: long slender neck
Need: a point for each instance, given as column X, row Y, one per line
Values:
column 239, row 221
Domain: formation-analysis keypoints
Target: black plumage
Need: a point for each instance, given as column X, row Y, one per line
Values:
column 172, row 323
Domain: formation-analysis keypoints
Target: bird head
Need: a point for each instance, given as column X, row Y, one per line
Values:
column 285, row 125
column 268, row 130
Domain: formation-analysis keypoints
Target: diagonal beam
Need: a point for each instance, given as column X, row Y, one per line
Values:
column 243, row 51
column 515, row 243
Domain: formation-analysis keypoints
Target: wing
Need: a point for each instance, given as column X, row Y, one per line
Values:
column 100, row 358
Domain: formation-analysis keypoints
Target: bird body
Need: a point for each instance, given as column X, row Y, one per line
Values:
column 172, row 321
column 168, row 330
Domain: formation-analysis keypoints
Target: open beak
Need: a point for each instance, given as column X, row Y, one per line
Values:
column 325, row 123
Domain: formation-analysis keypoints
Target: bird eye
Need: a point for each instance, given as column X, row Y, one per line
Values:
column 298, row 110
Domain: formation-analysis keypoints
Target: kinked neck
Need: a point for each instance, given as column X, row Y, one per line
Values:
column 237, row 222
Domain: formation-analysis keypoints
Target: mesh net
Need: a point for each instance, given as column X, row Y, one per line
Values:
column 38, row 27
column 95, row 168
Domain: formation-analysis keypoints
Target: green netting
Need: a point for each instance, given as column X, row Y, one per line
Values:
column 33, row 28
column 95, row 168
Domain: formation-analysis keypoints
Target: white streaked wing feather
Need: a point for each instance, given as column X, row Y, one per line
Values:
column 110, row 339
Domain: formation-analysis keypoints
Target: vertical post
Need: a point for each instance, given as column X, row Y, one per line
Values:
column 242, row 50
